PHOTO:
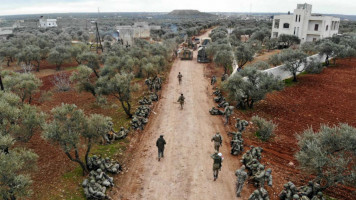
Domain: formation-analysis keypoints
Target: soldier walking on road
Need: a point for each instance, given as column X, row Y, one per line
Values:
column 180, row 78
column 217, row 164
column 213, row 80
column 181, row 100
column 241, row 178
column 160, row 145
column 228, row 112
column 217, row 138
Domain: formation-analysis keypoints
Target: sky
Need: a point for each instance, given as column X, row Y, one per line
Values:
column 14, row 7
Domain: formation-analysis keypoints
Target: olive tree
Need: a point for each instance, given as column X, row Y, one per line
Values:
column 18, row 120
column 28, row 54
column 69, row 125
column 244, row 54
column 288, row 40
column 120, row 87
column 329, row 154
column 250, row 86
column 22, row 84
column 294, row 61
column 91, row 60
column 83, row 81
column 223, row 59
column 59, row 55
column 16, row 163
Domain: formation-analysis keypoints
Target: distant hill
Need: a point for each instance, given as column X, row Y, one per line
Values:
column 189, row 13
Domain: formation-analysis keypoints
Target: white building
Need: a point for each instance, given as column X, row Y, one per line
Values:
column 46, row 23
column 138, row 30
column 305, row 25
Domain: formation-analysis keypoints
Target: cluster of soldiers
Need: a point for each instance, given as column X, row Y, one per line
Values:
column 154, row 83
column 145, row 101
column 256, row 173
column 140, row 119
column 311, row 191
column 98, row 181
column 112, row 135
column 222, row 103
column 236, row 142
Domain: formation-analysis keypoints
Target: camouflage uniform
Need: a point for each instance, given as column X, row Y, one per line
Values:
column 160, row 143
column 216, row 165
column 181, row 100
column 241, row 178
column 217, row 138
column 227, row 112
column 180, row 77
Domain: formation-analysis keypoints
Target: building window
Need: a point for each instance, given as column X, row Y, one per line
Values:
column 275, row 34
column 296, row 18
column 314, row 39
column 299, row 18
column 316, row 27
column 276, row 23
column 327, row 27
column 285, row 25
column 294, row 30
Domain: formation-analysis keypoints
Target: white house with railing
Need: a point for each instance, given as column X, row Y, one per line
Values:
column 46, row 23
column 305, row 25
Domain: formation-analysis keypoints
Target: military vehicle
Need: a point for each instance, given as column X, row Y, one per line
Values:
column 185, row 54
column 202, row 55
column 205, row 41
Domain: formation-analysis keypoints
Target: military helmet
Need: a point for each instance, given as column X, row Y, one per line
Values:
column 99, row 170
column 243, row 167
column 94, row 156
column 320, row 194
column 107, row 158
column 285, row 185
column 310, row 183
column 161, row 136
column 256, row 192
column 269, row 170
column 261, row 167
column 122, row 128
column 295, row 196
column 216, row 152
column 92, row 181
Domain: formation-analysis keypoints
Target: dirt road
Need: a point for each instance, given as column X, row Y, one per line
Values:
column 185, row 172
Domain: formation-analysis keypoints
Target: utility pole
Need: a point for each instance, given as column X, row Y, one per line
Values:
column 1, row 85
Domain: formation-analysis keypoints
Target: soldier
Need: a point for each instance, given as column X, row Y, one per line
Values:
column 285, row 194
column 268, row 176
column 316, row 189
column 241, row 178
column 319, row 196
column 95, row 190
column 180, row 78
column 215, row 111
column 217, row 138
column 307, row 190
column 217, row 164
column 181, row 100
column 241, row 124
column 228, row 112
column 111, row 167
column 246, row 158
column 213, row 80
column 259, row 178
column 160, row 143
column 259, row 194
column 103, row 179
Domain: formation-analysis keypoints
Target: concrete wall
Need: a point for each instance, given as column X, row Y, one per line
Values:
column 282, row 74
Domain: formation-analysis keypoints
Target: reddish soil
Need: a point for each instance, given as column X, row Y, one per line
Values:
column 326, row 98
